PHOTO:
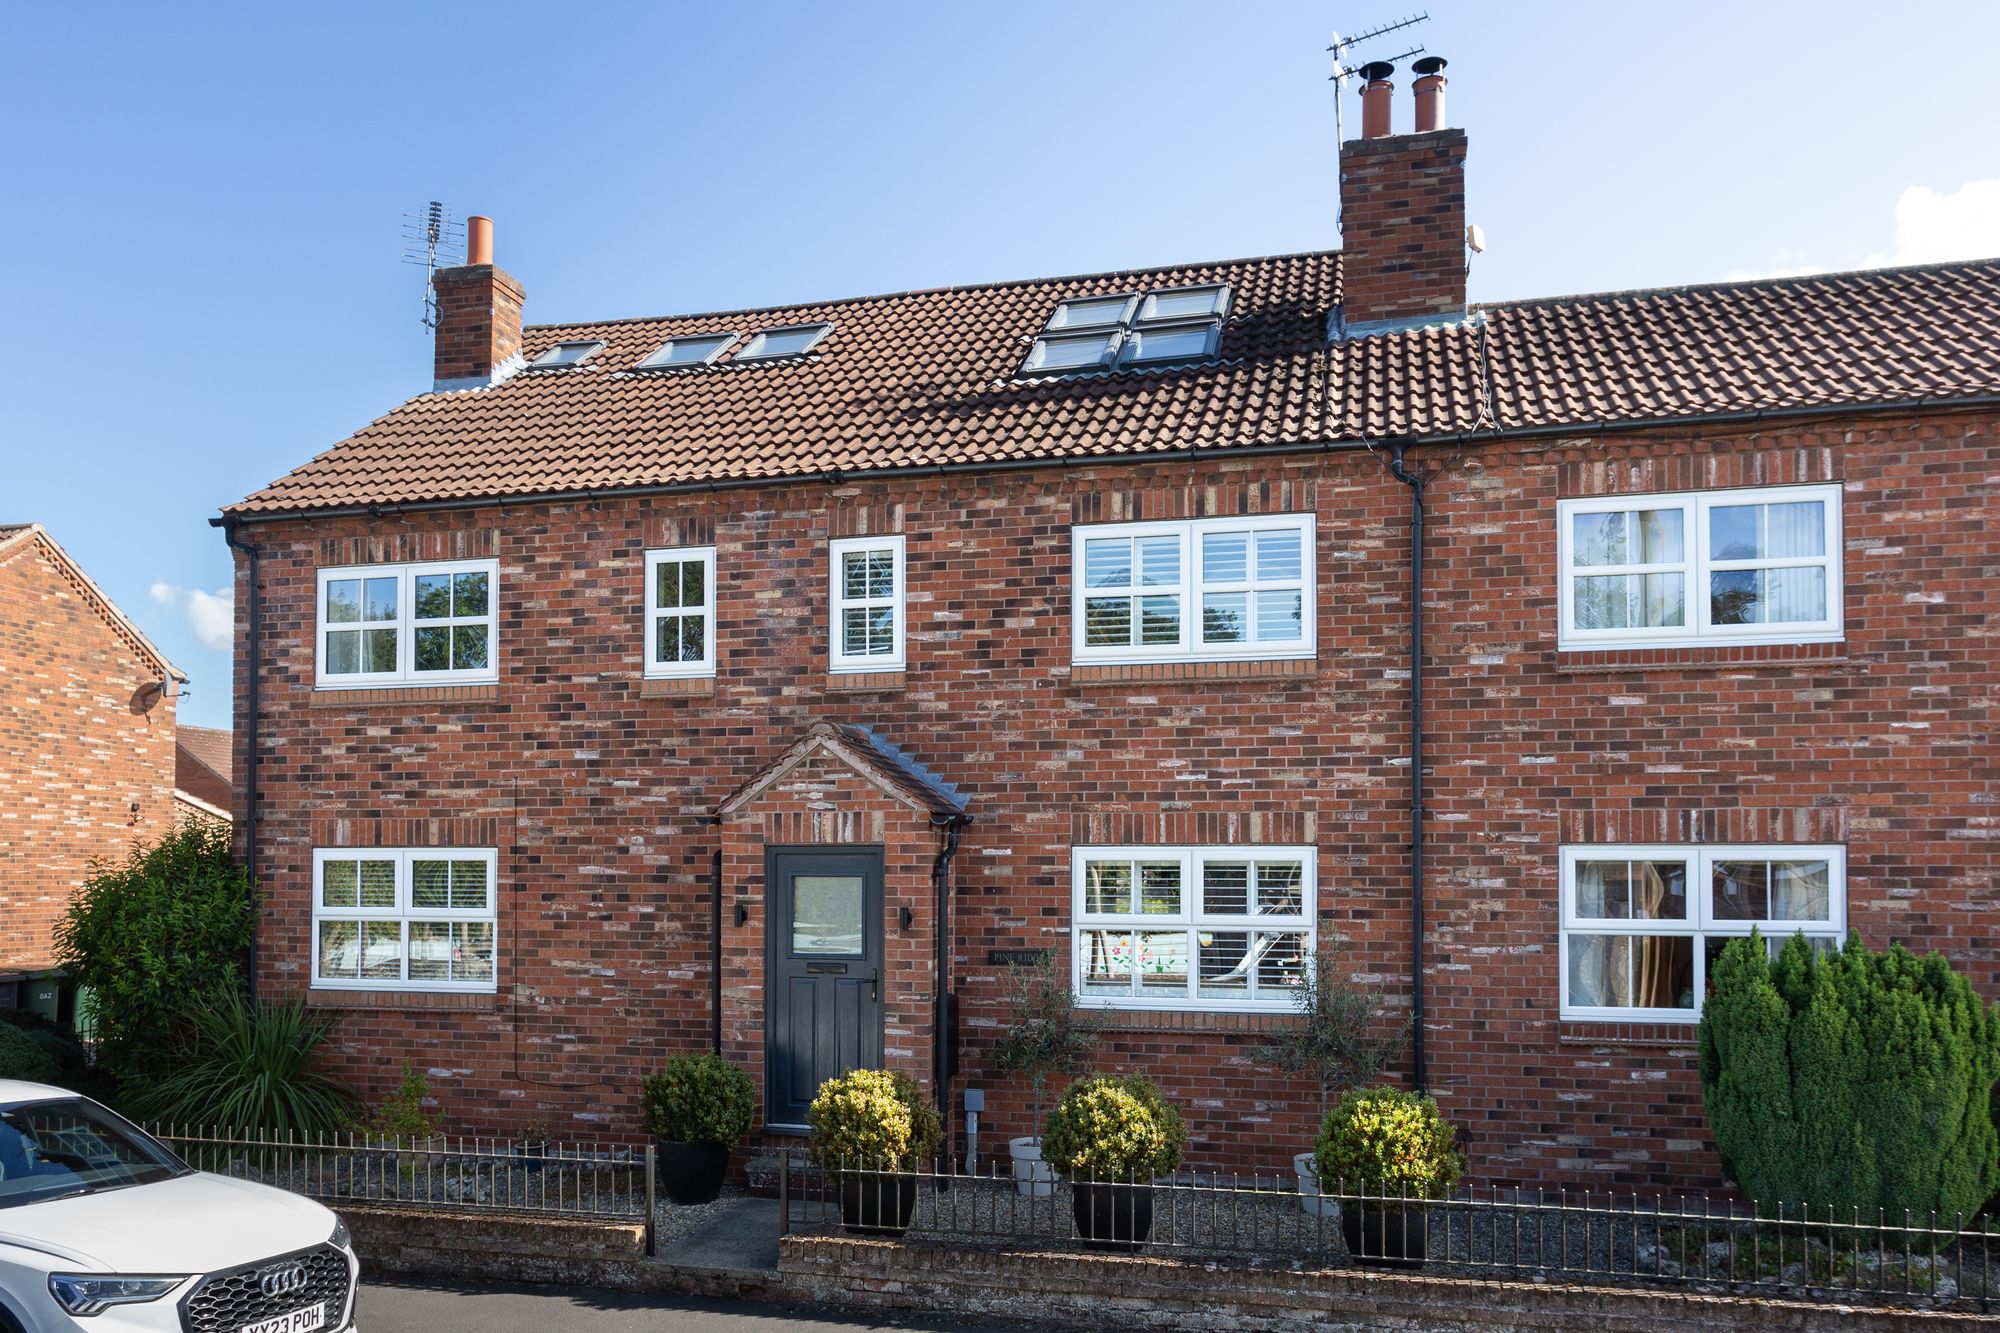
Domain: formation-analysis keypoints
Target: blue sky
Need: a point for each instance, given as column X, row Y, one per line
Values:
column 200, row 226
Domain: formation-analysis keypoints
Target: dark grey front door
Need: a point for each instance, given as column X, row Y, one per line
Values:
column 823, row 972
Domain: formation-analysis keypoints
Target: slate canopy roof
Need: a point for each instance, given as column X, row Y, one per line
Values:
column 929, row 379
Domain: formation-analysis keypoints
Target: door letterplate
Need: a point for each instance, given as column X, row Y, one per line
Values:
column 840, row 968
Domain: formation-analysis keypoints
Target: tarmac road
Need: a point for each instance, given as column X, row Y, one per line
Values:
column 427, row 1308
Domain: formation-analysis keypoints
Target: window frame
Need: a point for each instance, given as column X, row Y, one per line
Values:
column 594, row 346
column 405, row 913
column 657, row 669
column 757, row 339
column 1695, row 567
column 1190, row 648
column 1192, row 918
column 406, row 625
column 837, row 602
column 1124, row 335
column 1699, row 923
column 723, row 342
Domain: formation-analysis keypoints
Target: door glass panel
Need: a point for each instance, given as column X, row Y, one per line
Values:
column 828, row 915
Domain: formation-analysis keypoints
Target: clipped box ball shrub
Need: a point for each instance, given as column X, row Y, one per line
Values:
column 1111, row 1128
column 699, row 1099
column 872, row 1119
column 1857, row 1081
column 1387, row 1142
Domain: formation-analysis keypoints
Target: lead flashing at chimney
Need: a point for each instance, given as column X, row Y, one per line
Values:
column 1339, row 330
column 503, row 372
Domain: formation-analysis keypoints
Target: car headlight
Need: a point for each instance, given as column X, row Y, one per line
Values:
column 91, row 1293
column 340, row 1237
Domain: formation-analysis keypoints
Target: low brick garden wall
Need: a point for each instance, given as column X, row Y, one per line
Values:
column 1105, row 1291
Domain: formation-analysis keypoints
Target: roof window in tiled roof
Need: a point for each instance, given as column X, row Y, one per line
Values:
column 1172, row 325
column 564, row 355
column 790, row 340
column 697, row 349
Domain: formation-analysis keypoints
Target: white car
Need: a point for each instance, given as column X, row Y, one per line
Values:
column 103, row 1230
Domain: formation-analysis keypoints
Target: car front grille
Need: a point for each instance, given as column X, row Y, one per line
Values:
column 224, row 1302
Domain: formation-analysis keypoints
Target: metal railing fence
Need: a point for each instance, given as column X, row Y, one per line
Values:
column 589, row 1181
column 1590, row 1236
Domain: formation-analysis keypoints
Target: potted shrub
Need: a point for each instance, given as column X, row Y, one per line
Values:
column 1396, row 1151
column 1046, row 1035
column 699, row 1109
column 1109, row 1137
column 1336, row 1043
column 869, row 1126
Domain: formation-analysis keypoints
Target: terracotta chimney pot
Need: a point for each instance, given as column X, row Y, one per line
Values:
column 1429, row 90
column 1377, row 98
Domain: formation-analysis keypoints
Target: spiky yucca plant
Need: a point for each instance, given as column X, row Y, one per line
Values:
column 248, row 1069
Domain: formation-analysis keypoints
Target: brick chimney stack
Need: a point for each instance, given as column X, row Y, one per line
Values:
column 1402, row 211
column 479, row 315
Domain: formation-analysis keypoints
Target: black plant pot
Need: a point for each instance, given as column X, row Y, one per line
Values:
column 877, row 1204
column 692, row 1172
column 1392, row 1237
column 1111, row 1216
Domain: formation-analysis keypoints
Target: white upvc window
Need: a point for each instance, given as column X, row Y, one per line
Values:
column 435, row 623
column 1192, row 928
column 866, row 587
column 1706, row 567
column 1642, row 924
column 1213, row 589
column 404, row 918
column 680, row 612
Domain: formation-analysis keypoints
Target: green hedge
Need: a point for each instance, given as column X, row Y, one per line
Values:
column 1856, row 1081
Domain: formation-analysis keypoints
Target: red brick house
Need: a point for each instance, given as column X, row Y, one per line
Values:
column 203, row 787
column 86, row 751
column 767, row 679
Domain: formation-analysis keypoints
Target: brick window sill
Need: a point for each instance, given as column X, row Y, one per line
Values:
column 406, row 694
column 1167, row 673
column 865, row 682
column 677, row 687
column 1723, row 657
column 402, row 1000
column 1659, row 1036
column 1168, row 1020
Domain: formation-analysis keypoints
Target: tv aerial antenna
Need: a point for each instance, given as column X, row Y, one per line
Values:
column 432, row 239
column 1344, row 69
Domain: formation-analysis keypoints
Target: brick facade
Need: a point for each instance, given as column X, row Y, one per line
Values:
column 86, row 742
column 599, row 791
column 1402, row 227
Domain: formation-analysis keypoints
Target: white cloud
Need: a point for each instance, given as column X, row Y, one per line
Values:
column 1933, row 227
column 212, row 615
column 1930, row 228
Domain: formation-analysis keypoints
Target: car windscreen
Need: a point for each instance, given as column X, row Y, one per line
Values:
column 71, row 1146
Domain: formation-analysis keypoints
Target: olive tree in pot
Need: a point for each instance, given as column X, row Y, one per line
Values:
column 1390, row 1154
column 1338, row 1042
column 1047, row 1035
column 869, row 1126
column 699, row 1109
column 1110, row 1137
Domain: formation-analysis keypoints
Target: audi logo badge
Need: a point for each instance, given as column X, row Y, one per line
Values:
column 282, row 1281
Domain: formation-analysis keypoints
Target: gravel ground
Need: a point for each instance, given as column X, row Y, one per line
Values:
column 1495, row 1233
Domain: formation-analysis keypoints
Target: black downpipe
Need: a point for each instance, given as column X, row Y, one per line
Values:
column 250, row 731
column 715, row 958
column 941, row 1054
column 1416, row 485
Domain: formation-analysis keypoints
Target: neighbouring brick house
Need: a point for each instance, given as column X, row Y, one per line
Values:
column 768, row 678
column 202, row 767
column 86, row 751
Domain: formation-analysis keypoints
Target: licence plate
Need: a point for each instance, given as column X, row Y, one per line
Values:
column 298, row 1321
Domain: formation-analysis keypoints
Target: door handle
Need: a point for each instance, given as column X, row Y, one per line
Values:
column 874, row 988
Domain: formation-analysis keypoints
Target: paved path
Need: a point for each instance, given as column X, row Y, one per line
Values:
column 389, row 1307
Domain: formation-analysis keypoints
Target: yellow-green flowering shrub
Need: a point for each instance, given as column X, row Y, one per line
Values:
column 871, row 1118
column 1110, row 1128
column 1386, row 1141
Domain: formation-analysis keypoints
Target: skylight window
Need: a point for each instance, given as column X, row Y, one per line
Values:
column 1093, row 312
column 564, row 355
column 698, row 349
column 1173, row 325
column 791, row 340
